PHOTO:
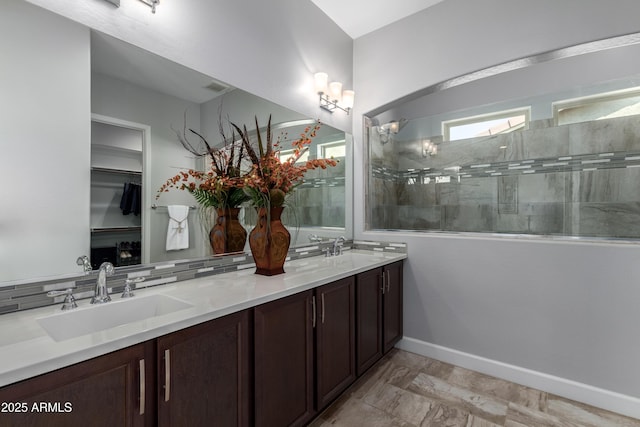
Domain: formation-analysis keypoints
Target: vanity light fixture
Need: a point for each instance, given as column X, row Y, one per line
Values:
column 332, row 96
column 152, row 4
column 387, row 130
column 429, row 148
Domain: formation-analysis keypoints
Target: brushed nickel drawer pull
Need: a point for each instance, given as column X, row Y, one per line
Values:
column 388, row 280
column 143, row 390
column 167, row 375
column 322, row 312
column 313, row 311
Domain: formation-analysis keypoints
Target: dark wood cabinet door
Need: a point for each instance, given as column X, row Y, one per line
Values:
column 368, row 319
column 283, row 333
column 205, row 374
column 335, row 340
column 392, row 303
column 104, row 391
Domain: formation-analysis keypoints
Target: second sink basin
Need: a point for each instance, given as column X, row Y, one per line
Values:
column 75, row 323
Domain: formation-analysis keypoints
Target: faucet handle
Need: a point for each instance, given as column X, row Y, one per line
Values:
column 85, row 263
column 127, row 292
column 69, row 301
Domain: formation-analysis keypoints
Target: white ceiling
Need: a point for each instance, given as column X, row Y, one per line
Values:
column 117, row 59
column 359, row 17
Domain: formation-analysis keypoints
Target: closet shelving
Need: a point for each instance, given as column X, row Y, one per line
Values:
column 116, row 162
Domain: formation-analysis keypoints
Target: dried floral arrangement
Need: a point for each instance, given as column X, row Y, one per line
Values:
column 271, row 179
column 222, row 185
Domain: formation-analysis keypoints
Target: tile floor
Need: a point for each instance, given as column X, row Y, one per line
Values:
column 405, row 389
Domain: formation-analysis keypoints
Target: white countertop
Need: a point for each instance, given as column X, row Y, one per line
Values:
column 27, row 350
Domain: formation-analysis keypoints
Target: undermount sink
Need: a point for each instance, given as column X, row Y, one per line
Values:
column 75, row 323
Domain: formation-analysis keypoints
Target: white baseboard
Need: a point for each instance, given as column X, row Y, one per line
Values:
column 594, row 396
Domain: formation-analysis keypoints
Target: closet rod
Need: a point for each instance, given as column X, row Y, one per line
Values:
column 154, row 206
column 113, row 170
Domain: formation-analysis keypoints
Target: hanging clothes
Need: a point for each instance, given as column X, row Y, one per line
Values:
column 178, row 229
column 131, row 200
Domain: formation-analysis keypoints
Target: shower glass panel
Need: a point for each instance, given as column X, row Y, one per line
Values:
column 579, row 179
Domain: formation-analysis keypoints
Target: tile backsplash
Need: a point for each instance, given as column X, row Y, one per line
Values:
column 33, row 294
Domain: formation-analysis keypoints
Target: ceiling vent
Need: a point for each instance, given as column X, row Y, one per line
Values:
column 216, row 87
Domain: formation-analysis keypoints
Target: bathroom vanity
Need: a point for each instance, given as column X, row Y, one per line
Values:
column 230, row 349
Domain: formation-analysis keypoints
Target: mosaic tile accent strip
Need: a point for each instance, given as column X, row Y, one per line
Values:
column 368, row 245
column 575, row 163
column 29, row 295
column 323, row 182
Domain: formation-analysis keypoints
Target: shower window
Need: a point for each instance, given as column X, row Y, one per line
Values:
column 598, row 107
column 332, row 149
column 285, row 154
column 485, row 124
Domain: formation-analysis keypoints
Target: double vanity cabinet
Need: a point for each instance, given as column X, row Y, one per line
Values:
column 278, row 363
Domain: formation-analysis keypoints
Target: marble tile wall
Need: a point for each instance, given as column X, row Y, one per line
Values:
column 321, row 198
column 573, row 180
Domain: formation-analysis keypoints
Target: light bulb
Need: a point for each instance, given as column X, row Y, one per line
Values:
column 321, row 82
column 347, row 98
column 335, row 91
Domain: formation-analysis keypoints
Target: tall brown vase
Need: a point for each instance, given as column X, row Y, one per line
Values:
column 227, row 235
column 269, row 241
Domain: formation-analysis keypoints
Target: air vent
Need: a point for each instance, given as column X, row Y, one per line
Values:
column 216, row 87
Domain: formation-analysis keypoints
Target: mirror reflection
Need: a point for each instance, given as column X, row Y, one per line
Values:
column 124, row 149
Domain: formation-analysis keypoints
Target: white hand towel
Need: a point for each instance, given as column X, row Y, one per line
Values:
column 178, row 229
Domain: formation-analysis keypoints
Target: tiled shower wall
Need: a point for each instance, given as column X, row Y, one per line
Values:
column 321, row 198
column 319, row 201
column 574, row 180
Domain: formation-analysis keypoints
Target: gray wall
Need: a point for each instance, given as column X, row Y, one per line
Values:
column 241, row 108
column 165, row 155
column 566, row 309
column 33, row 111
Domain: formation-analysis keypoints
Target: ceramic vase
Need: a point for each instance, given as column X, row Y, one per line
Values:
column 227, row 235
column 269, row 241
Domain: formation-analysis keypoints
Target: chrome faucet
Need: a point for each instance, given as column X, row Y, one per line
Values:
column 85, row 263
column 101, row 293
column 337, row 247
column 69, row 300
column 314, row 238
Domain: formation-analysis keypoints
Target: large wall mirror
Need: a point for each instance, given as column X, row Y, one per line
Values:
column 546, row 146
column 120, row 141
